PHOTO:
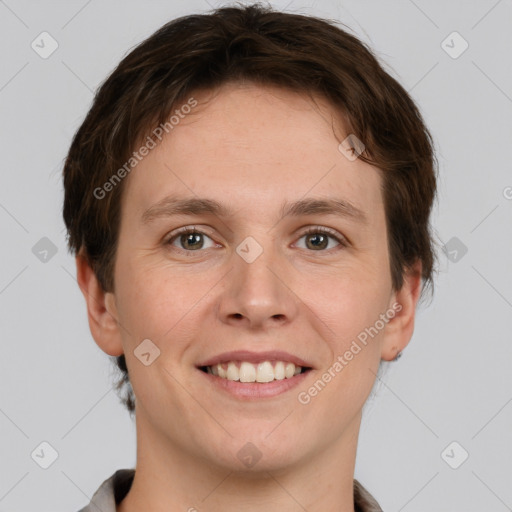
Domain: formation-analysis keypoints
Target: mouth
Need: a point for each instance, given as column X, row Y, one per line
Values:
column 247, row 375
column 248, row 372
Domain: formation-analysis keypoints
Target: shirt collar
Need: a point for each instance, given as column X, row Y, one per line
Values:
column 112, row 491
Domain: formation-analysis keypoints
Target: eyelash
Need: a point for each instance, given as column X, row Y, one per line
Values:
column 312, row 230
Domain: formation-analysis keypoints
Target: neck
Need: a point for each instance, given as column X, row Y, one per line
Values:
column 171, row 479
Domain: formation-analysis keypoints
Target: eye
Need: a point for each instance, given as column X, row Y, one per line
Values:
column 320, row 240
column 189, row 238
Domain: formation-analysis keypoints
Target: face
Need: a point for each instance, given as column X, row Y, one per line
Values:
column 249, row 287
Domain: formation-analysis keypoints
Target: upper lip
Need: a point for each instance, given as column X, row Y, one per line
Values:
column 255, row 358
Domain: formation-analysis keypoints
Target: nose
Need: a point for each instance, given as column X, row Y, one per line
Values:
column 258, row 293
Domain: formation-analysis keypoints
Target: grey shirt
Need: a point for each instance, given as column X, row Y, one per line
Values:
column 112, row 491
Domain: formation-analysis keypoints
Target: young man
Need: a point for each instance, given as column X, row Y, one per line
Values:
column 248, row 200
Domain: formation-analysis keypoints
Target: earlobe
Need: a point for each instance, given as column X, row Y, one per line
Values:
column 101, row 309
column 400, row 328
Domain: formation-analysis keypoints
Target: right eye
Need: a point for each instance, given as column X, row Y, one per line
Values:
column 189, row 238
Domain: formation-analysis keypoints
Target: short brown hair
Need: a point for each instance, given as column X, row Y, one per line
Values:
column 256, row 44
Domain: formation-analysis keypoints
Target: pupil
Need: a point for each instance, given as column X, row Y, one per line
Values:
column 317, row 236
column 190, row 237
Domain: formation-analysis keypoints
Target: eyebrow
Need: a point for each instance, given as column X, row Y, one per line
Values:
column 171, row 205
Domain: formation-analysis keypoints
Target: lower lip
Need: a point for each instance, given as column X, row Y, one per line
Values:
column 256, row 390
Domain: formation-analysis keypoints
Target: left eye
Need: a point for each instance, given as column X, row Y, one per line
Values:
column 320, row 240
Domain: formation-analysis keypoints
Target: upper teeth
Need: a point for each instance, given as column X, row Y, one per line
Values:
column 248, row 372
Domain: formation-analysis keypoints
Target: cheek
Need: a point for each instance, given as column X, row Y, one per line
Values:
column 159, row 302
column 352, row 328
column 142, row 298
column 348, row 300
column 158, row 308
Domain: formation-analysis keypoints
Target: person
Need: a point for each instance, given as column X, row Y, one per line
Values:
column 248, row 201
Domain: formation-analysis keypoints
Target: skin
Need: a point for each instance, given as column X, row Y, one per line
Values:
column 293, row 297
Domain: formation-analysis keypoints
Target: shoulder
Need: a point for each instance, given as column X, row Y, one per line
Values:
column 111, row 492
column 363, row 500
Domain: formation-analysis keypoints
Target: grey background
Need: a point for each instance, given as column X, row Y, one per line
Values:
column 453, row 382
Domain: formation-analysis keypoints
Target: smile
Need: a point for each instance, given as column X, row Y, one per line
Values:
column 244, row 371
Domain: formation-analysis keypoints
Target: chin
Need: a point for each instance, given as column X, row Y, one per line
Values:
column 256, row 453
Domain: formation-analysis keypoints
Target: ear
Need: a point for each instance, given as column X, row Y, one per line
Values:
column 101, row 309
column 399, row 329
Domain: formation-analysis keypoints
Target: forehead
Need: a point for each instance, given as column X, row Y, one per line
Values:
column 253, row 146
